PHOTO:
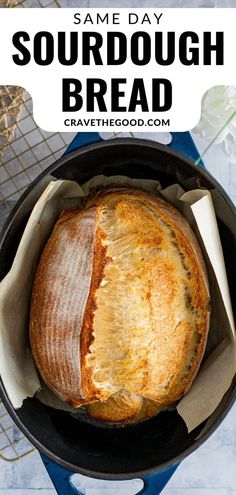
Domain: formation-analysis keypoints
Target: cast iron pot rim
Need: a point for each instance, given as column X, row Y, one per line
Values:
column 12, row 411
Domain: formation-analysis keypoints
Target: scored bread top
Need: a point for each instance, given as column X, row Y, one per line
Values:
column 120, row 306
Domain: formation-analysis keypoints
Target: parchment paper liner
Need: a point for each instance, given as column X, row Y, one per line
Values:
column 17, row 367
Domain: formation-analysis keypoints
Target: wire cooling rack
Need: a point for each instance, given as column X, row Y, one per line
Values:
column 27, row 155
column 13, row 444
column 31, row 3
column 25, row 152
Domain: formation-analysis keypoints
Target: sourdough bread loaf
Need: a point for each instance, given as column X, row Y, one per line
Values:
column 120, row 306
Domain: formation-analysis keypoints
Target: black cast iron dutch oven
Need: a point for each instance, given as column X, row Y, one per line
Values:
column 156, row 444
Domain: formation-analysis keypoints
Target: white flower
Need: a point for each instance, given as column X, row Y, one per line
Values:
column 218, row 121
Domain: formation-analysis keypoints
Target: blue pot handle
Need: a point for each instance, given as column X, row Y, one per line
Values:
column 181, row 141
column 154, row 484
column 62, row 479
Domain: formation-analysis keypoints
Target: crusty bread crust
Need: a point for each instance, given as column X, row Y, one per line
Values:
column 59, row 296
column 122, row 325
column 123, row 407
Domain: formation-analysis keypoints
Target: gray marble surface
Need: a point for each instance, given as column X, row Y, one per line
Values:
column 152, row 3
column 147, row 3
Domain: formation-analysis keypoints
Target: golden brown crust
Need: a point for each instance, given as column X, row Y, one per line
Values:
column 187, row 243
column 141, row 331
column 123, row 407
column 188, row 354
